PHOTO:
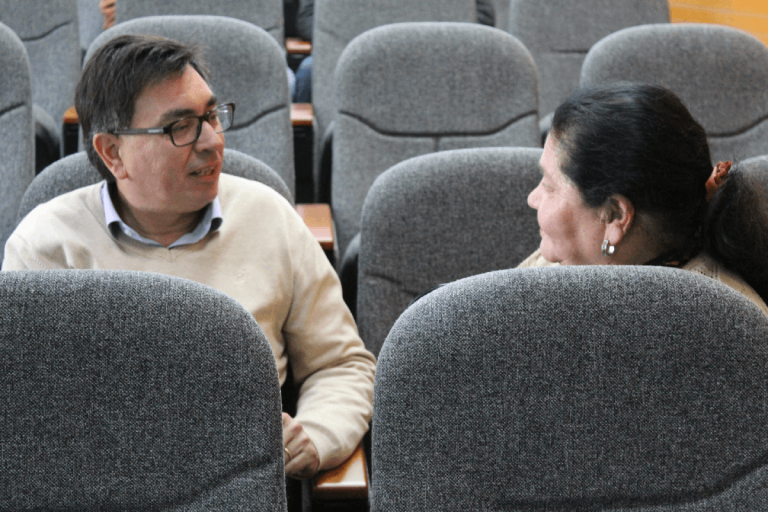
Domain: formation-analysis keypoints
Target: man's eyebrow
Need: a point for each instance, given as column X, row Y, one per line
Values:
column 174, row 115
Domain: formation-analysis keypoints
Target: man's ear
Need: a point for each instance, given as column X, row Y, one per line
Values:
column 618, row 215
column 108, row 148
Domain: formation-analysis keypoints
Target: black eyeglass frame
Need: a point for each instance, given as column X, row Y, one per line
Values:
column 168, row 129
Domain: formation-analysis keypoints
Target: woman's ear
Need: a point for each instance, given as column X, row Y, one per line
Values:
column 107, row 146
column 619, row 216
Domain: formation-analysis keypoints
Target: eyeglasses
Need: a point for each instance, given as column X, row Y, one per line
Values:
column 186, row 131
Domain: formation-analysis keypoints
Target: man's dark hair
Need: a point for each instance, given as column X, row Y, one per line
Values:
column 115, row 76
column 639, row 141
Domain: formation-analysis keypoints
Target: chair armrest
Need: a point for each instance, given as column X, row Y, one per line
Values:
column 318, row 219
column 296, row 46
column 70, row 116
column 348, row 481
column 302, row 114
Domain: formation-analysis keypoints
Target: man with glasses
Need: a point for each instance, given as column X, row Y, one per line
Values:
column 154, row 129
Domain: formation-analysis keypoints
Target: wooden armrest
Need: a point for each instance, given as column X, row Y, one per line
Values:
column 70, row 116
column 348, row 481
column 318, row 219
column 302, row 114
column 296, row 46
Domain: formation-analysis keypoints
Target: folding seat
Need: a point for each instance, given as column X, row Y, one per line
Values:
column 409, row 89
column 17, row 136
column 718, row 72
column 758, row 167
column 135, row 391
column 247, row 67
column 267, row 14
column 52, row 40
column 574, row 388
column 90, row 21
column 436, row 218
column 337, row 22
column 558, row 33
column 75, row 171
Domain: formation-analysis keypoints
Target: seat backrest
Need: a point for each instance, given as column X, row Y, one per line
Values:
column 75, row 171
column 247, row 67
column 574, row 388
column 559, row 33
column 267, row 14
column 337, row 22
column 128, row 390
column 51, row 36
column 437, row 218
column 718, row 72
column 17, row 136
column 90, row 22
column 413, row 88
column 757, row 167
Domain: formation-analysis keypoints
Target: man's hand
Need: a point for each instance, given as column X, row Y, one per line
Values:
column 301, row 458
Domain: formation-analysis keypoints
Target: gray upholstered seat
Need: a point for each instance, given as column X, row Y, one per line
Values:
column 719, row 72
column 75, row 171
column 90, row 22
column 758, row 168
column 437, row 218
column 134, row 391
column 17, row 142
column 337, row 22
column 52, row 39
column 247, row 67
column 409, row 89
column 559, row 33
column 574, row 388
column 267, row 14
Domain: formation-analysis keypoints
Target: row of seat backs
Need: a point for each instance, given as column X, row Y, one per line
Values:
column 404, row 90
column 17, row 165
column 573, row 388
column 126, row 390
column 441, row 217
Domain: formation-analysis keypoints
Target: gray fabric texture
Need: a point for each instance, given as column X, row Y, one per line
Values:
column 52, row 39
column 75, row 171
column 501, row 13
column 437, row 218
column 247, row 67
column 573, row 388
column 128, row 390
column 408, row 89
column 90, row 21
column 337, row 22
column 756, row 168
column 718, row 72
column 267, row 14
column 17, row 136
column 559, row 33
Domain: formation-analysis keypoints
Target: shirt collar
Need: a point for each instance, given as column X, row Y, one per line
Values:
column 210, row 222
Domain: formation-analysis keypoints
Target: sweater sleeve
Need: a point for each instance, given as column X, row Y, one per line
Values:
column 328, row 358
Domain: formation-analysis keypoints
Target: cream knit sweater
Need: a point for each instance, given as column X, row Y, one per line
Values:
column 265, row 258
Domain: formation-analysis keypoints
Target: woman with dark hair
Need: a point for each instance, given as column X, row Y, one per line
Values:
column 627, row 180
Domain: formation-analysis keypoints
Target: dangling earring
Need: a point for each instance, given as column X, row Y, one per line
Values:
column 607, row 248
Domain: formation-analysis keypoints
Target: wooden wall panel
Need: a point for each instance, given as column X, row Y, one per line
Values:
column 749, row 15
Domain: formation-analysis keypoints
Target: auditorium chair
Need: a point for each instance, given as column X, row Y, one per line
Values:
column 51, row 37
column 17, row 135
column 135, row 391
column 558, row 33
column 436, row 218
column 90, row 22
column 267, row 14
column 757, row 168
column 718, row 72
column 337, row 22
column 574, row 388
column 247, row 67
column 408, row 89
